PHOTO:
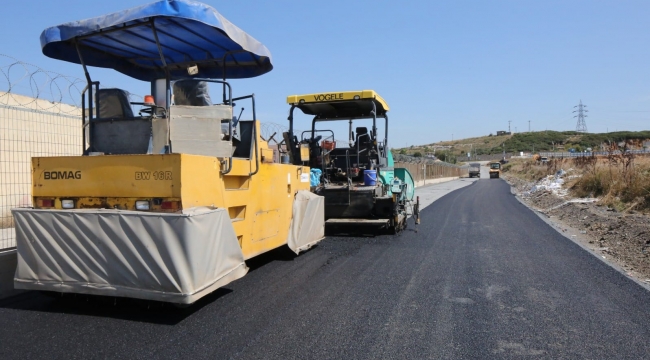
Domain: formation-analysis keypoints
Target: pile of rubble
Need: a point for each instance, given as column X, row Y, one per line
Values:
column 552, row 183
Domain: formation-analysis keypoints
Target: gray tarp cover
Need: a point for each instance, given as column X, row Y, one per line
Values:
column 167, row 257
column 308, row 222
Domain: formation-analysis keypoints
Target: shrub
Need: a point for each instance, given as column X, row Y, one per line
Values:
column 591, row 185
column 622, row 182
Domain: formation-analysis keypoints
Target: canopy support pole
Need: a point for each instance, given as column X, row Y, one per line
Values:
column 386, row 133
column 89, row 86
column 374, row 120
column 225, row 64
column 164, row 64
column 291, row 143
column 168, row 99
column 350, row 136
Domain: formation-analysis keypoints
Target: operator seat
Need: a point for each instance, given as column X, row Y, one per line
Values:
column 113, row 104
column 115, row 130
column 362, row 141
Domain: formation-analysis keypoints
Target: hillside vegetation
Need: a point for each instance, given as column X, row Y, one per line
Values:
column 527, row 142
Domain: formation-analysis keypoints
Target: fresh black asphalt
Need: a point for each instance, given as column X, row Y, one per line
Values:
column 482, row 278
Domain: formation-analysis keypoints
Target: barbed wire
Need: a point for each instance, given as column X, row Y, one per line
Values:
column 35, row 83
column 270, row 128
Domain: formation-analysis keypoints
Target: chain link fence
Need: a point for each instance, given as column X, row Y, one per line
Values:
column 39, row 116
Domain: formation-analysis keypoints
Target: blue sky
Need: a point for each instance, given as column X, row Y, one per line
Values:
column 445, row 67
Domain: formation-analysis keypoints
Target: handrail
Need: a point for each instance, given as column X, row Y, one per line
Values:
column 257, row 164
column 358, row 142
column 225, row 56
column 255, row 142
column 302, row 135
column 347, row 175
column 323, row 153
column 326, row 139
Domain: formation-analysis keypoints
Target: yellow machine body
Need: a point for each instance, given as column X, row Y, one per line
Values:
column 259, row 205
column 173, row 193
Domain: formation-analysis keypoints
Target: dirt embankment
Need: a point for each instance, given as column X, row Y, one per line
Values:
column 622, row 239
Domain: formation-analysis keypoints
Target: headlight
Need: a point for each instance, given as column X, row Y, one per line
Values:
column 67, row 204
column 142, row 205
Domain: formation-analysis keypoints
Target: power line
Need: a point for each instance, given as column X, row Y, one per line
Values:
column 582, row 125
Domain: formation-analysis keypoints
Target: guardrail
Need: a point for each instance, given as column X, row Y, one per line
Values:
column 591, row 153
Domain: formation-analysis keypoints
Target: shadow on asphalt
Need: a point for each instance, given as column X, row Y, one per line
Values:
column 283, row 253
column 130, row 309
column 110, row 307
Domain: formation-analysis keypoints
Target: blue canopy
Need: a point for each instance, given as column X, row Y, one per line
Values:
column 189, row 33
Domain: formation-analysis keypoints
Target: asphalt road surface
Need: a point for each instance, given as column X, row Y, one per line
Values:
column 483, row 277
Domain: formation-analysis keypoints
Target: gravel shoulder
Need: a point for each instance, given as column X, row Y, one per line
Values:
column 621, row 240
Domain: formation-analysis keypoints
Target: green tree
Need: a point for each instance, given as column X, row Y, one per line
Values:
column 417, row 154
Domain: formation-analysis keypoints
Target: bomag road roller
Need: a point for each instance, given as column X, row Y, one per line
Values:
column 495, row 170
column 355, row 173
column 165, row 202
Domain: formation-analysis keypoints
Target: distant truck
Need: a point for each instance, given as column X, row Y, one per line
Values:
column 495, row 170
column 475, row 170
